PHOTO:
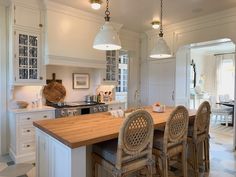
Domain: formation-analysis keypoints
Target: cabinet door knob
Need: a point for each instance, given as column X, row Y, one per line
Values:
column 28, row 118
column 45, row 116
column 41, row 25
column 27, row 145
column 28, row 130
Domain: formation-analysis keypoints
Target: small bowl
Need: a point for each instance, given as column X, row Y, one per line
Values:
column 160, row 108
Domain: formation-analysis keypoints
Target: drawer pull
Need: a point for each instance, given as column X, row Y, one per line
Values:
column 45, row 116
column 28, row 118
column 27, row 145
column 28, row 130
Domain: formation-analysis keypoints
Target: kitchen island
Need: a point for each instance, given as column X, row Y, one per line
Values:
column 63, row 145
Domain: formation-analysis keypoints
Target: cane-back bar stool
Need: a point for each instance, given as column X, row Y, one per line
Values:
column 198, row 135
column 133, row 150
column 172, row 141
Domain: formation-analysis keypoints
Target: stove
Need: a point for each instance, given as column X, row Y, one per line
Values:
column 68, row 109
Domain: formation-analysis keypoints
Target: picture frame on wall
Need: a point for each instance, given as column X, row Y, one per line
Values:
column 80, row 81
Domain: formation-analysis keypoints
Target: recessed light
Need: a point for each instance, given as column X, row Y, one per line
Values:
column 155, row 24
column 96, row 4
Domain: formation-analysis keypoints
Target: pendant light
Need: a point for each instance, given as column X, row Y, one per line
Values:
column 107, row 38
column 161, row 49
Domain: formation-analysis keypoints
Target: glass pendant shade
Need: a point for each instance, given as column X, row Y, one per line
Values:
column 161, row 49
column 107, row 38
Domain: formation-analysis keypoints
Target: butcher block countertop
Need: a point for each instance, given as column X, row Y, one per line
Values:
column 93, row 128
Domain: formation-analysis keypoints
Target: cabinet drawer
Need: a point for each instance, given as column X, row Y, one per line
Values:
column 26, row 132
column 27, row 147
column 28, row 118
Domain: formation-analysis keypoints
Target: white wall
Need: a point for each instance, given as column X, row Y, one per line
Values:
column 65, row 74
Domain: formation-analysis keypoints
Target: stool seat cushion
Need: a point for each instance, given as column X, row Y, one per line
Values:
column 107, row 150
column 158, row 139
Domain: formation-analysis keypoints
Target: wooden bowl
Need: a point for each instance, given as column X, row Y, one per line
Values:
column 22, row 104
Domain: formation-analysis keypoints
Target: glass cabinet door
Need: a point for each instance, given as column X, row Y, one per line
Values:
column 27, row 56
column 111, row 65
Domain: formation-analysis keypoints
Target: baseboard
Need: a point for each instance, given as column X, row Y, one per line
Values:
column 30, row 157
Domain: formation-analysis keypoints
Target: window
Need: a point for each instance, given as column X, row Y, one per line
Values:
column 226, row 81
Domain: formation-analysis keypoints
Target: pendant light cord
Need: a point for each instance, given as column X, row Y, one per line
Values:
column 107, row 12
column 161, row 27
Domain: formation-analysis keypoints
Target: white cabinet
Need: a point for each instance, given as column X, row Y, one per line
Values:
column 111, row 65
column 26, row 66
column 22, row 132
column 116, row 105
column 27, row 17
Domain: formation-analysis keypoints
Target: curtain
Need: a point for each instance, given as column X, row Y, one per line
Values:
column 225, row 65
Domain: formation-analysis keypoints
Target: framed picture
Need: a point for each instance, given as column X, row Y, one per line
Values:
column 80, row 81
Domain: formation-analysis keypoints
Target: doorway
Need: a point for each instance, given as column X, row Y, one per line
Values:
column 206, row 71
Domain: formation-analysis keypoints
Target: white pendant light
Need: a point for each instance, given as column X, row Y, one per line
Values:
column 107, row 38
column 161, row 49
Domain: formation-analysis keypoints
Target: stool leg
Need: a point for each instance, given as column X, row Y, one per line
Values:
column 184, row 163
column 195, row 160
column 207, row 160
column 165, row 166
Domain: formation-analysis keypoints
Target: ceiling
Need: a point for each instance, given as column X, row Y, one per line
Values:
column 137, row 15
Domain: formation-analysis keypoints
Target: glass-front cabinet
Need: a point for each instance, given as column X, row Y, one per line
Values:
column 111, row 65
column 27, row 58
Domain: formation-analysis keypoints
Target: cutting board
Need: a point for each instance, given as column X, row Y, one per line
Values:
column 54, row 91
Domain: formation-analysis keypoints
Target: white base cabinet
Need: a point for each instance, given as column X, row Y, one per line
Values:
column 54, row 159
column 22, row 133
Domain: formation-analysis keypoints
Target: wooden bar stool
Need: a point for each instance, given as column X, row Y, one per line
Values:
column 172, row 141
column 133, row 150
column 198, row 135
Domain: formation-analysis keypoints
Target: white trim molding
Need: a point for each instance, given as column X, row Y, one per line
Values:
column 3, row 81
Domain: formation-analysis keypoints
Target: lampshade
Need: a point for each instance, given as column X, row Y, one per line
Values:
column 161, row 49
column 107, row 38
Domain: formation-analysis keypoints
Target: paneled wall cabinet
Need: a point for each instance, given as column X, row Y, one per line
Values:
column 22, row 132
column 26, row 46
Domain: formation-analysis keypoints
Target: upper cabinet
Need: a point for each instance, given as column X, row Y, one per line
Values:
column 111, row 67
column 70, row 36
column 25, row 44
column 28, row 17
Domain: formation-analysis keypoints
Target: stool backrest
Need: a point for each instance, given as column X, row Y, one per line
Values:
column 176, row 128
column 202, row 120
column 135, row 138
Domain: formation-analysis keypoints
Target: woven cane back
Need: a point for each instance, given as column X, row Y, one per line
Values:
column 202, row 120
column 176, row 127
column 135, row 137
